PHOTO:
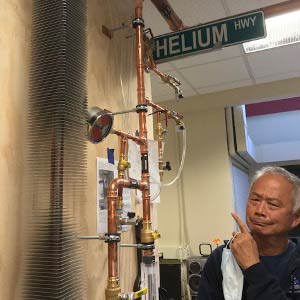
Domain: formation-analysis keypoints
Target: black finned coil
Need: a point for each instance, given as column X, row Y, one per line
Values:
column 56, row 155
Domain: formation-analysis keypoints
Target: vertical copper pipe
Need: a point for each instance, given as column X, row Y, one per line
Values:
column 142, row 114
column 139, row 53
column 112, row 198
column 121, row 174
column 123, row 145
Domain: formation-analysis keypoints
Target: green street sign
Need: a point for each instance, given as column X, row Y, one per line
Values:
column 209, row 36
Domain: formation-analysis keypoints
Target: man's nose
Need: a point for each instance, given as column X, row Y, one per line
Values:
column 261, row 208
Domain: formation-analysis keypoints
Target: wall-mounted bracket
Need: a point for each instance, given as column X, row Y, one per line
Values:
column 109, row 32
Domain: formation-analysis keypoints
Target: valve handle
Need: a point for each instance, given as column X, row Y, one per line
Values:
column 156, row 235
column 125, row 163
column 140, row 293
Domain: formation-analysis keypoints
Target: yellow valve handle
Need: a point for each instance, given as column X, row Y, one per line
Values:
column 125, row 163
column 140, row 293
column 156, row 235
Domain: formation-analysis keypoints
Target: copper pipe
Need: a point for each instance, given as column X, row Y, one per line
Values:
column 142, row 114
column 136, row 139
column 151, row 65
column 112, row 198
column 171, row 115
column 168, row 13
column 122, row 166
column 154, row 105
column 281, row 8
column 123, row 145
column 139, row 53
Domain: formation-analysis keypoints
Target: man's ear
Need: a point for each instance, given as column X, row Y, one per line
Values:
column 296, row 219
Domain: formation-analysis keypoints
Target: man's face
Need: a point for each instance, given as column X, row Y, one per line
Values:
column 270, row 206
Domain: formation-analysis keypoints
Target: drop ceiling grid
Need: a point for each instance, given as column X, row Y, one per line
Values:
column 195, row 12
column 246, row 69
column 222, row 87
column 216, row 73
column 240, row 6
column 275, row 61
column 208, row 57
column 275, row 77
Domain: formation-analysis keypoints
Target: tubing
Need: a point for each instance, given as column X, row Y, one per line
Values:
column 181, row 162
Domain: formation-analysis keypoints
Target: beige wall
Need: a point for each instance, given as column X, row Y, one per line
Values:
column 15, row 23
column 197, row 209
column 201, row 202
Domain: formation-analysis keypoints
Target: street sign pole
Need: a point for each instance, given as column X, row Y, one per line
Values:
column 209, row 36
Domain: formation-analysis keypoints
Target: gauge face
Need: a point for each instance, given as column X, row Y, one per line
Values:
column 100, row 127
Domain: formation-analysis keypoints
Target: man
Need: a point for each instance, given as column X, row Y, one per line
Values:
column 269, row 261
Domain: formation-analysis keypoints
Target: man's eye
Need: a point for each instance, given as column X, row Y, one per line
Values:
column 273, row 204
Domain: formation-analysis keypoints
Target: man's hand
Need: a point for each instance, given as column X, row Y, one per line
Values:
column 243, row 246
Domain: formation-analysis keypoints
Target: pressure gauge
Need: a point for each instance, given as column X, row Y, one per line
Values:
column 100, row 124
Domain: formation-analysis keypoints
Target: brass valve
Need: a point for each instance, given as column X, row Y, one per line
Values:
column 123, row 165
column 113, row 290
column 146, row 233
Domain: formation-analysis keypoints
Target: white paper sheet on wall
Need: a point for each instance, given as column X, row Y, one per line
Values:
column 134, row 158
column 106, row 172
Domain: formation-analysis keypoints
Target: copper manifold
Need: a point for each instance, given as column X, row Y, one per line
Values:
column 117, row 184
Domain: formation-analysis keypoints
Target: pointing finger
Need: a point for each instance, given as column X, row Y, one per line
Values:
column 240, row 223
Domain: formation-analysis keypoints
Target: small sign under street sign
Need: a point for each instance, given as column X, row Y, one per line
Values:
column 209, row 36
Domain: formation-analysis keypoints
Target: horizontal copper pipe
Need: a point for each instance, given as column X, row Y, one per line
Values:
column 138, row 140
column 171, row 115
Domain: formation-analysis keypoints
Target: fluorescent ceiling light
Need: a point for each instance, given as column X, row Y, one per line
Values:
column 281, row 30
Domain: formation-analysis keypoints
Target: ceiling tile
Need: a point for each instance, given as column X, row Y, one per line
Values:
column 208, row 57
column 223, row 87
column 153, row 19
column 275, row 61
column 276, row 77
column 240, row 6
column 216, row 73
column 196, row 12
column 165, row 67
